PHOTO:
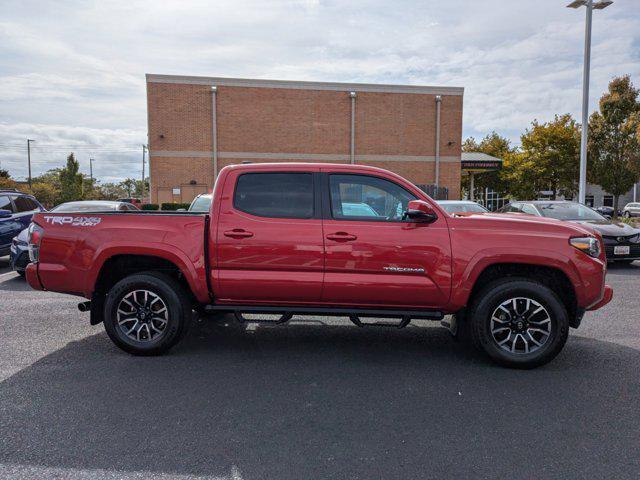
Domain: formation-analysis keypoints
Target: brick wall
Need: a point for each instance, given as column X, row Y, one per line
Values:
column 393, row 131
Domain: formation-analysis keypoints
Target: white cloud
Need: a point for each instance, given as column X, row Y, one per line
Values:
column 73, row 72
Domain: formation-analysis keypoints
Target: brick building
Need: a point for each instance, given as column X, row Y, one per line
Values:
column 198, row 125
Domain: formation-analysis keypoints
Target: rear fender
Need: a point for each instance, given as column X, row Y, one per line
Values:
column 194, row 271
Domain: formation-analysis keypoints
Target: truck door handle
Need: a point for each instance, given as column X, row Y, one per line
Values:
column 238, row 233
column 341, row 237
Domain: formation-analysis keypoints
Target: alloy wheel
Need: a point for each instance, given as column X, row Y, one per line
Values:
column 520, row 325
column 142, row 316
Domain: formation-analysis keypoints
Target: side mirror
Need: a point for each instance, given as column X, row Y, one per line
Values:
column 420, row 211
column 5, row 213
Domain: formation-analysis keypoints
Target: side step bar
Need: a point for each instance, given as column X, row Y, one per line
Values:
column 354, row 314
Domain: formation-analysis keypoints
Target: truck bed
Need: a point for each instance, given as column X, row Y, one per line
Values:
column 76, row 246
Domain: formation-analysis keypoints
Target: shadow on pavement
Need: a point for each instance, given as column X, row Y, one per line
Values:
column 624, row 268
column 15, row 284
column 311, row 402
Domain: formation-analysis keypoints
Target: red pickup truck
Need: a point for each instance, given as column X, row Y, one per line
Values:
column 322, row 239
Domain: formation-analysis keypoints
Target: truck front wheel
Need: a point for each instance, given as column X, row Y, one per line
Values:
column 146, row 313
column 518, row 322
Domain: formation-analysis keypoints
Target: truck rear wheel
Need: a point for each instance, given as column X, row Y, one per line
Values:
column 146, row 313
column 518, row 322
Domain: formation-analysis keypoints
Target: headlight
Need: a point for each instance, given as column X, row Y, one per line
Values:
column 635, row 238
column 588, row 245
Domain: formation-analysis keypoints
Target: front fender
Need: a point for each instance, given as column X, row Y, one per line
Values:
column 465, row 278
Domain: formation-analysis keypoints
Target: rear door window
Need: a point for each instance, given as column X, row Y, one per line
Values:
column 5, row 203
column 275, row 195
column 24, row 204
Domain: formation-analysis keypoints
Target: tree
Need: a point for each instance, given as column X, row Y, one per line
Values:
column 70, row 181
column 6, row 181
column 46, row 193
column 111, row 191
column 521, row 176
column 552, row 151
column 129, row 185
column 496, row 146
column 614, row 140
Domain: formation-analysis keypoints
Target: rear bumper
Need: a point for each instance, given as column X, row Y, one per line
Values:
column 32, row 276
column 606, row 298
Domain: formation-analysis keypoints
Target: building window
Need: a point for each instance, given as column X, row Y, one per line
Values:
column 589, row 201
column 607, row 201
column 275, row 195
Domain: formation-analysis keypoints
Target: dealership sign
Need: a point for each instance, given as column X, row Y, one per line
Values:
column 481, row 165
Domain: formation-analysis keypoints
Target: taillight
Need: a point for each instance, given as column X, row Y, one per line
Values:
column 35, row 237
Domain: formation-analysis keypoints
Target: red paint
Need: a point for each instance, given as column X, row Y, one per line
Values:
column 318, row 261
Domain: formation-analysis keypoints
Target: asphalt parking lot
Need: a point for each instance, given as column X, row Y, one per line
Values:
column 312, row 401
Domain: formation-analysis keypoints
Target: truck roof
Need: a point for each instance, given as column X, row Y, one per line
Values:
column 310, row 165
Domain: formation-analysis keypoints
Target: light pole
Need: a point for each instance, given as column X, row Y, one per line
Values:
column 29, row 158
column 91, row 170
column 591, row 5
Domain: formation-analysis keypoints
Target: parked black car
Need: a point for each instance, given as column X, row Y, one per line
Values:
column 16, row 210
column 621, row 241
column 606, row 212
column 19, row 254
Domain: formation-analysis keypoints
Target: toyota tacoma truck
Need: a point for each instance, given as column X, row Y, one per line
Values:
column 322, row 239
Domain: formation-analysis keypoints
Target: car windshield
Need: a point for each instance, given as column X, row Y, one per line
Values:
column 201, row 204
column 85, row 207
column 568, row 211
column 463, row 207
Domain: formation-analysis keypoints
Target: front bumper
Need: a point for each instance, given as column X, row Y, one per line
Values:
column 634, row 251
column 606, row 298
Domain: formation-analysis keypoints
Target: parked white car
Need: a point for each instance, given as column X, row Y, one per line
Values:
column 631, row 210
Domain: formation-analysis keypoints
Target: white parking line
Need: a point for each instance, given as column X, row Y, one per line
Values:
column 7, row 275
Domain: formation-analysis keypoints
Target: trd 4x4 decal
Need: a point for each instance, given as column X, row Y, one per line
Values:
column 73, row 221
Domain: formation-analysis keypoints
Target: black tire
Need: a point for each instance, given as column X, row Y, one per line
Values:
column 178, row 316
column 488, row 301
column 22, row 273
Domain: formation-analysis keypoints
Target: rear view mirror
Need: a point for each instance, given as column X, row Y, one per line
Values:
column 420, row 211
column 5, row 213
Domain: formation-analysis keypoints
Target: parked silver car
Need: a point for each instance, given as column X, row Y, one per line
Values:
column 631, row 210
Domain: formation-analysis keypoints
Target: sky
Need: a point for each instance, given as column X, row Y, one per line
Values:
column 72, row 72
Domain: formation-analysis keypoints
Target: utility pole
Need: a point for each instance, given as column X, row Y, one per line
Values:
column 91, row 170
column 591, row 5
column 144, row 151
column 29, row 158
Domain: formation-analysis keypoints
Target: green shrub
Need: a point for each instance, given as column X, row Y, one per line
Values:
column 174, row 206
column 150, row 206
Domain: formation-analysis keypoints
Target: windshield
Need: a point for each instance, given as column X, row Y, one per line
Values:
column 568, row 211
column 463, row 207
column 201, row 204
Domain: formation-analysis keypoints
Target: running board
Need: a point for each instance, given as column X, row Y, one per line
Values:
column 354, row 314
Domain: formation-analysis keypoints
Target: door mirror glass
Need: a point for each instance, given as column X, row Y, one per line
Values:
column 420, row 211
column 5, row 213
